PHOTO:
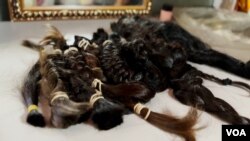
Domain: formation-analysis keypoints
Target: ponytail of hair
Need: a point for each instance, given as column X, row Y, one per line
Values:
column 179, row 126
column 30, row 93
column 130, row 94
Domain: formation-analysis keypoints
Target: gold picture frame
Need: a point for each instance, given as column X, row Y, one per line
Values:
column 19, row 12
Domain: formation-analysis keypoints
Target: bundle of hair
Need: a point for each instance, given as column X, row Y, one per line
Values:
column 157, row 34
column 103, row 77
column 164, row 49
column 133, row 94
column 70, row 80
column 65, row 77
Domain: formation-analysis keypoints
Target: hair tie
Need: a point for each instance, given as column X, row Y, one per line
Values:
column 95, row 45
column 138, row 107
column 96, row 96
column 58, row 95
column 32, row 107
column 83, row 43
column 147, row 115
column 97, row 82
column 57, row 51
column 52, row 51
column 69, row 50
column 123, row 40
column 96, row 68
column 107, row 42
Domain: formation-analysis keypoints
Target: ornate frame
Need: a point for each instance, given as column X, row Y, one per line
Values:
column 19, row 13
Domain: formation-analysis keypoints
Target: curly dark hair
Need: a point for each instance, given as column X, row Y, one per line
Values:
column 158, row 52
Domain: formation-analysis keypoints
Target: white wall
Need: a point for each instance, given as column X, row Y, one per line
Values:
column 225, row 4
column 217, row 3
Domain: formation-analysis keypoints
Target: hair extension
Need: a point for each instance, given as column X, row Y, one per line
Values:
column 80, row 85
column 181, row 127
column 165, row 60
column 30, row 92
column 57, row 72
column 131, row 93
column 31, row 88
column 65, row 112
column 126, row 62
column 197, row 51
column 177, row 47
column 46, row 69
column 106, row 114
column 190, row 91
column 79, row 89
column 103, row 109
column 59, row 66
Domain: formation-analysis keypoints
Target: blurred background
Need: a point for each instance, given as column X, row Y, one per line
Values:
column 223, row 24
column 156, row 5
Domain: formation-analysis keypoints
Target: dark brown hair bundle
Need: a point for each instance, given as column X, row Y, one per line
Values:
column 66, row 77
column 189, row 90
column 171, row 48
column 30, row 92
column 131, row 94
column 154, row 31
column 129, row 61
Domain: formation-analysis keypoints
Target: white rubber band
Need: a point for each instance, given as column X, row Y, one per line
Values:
column 92, row 102
column 96, row 94
column 83, row 44
column 97, row 82
column 106, row 42
column 95, row 97
column 69, row 50
column 52, row 51
column 57, row 51
column 147, row 115
column 96, row 68
column 58, row 95
column 137, row 109
column 95, row 45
